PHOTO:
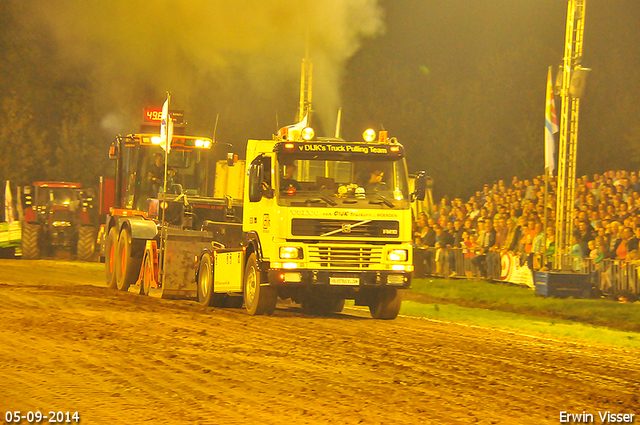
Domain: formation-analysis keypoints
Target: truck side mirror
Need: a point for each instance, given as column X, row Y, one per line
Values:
column 231, row 159
column 114, row 149
column 420, row 186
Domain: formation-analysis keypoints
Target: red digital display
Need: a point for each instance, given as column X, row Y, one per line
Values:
column 153, row 115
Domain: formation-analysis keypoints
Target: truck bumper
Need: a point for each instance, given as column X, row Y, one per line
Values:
column 344, row 279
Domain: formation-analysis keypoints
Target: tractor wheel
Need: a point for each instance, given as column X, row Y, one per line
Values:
column 110, row 257
column 86, row 243
column 386, row 304
column 205, row 281
column 147, row 272
column 31, row 235
column 128, row 261
column 258, row 297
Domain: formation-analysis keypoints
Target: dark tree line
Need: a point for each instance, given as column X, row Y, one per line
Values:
column 48, row 124
column 461, row 84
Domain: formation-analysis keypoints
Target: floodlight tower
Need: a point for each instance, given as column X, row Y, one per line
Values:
column 573, row 79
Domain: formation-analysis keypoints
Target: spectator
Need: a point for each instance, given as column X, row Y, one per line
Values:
column 576, row 252
column 484, row 245
column 585, row 235
column 634, row 241
column 458, row 229
column 443, row 241
column 623, row 247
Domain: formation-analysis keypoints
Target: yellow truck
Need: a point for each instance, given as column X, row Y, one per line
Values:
column 324, row 220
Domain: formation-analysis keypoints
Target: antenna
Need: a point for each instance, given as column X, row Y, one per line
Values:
column 305, row 89
column 215, row 127
column 338, row 121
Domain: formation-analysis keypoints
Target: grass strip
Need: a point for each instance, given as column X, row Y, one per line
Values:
column 521, row 300
column 522, row 323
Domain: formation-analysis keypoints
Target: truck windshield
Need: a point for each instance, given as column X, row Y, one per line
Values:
column 357, row 183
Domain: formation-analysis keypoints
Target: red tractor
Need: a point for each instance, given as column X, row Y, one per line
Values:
column 58, row 216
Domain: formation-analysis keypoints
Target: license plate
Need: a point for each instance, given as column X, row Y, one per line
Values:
column 344, row 281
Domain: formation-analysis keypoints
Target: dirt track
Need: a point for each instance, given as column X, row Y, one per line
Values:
column 69, row 344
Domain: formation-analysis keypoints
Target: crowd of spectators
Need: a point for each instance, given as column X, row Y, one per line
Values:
column 510, row 218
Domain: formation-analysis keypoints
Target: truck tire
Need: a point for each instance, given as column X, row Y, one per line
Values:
column 258, row 297
column 86, row 243
column 31, row 235
column 386, row 304
column 205, row 281
column 147, row 272
column 110, row 257
column 128, row 261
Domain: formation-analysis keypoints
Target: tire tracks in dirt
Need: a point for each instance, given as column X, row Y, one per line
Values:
column 122, row 358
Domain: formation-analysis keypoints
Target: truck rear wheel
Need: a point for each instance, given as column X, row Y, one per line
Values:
column 205, row 281
column 386, row 304
column 258, row 297
column 128, row 262
column 147, row 272
column 86, row 243
column 31, row 235
column 110, row 258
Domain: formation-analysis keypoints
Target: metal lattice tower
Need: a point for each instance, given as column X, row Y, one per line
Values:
column 568, row 143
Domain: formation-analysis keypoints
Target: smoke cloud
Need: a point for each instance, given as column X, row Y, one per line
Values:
column 210, row 53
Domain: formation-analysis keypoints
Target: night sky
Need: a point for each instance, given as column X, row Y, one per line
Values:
column 460, row 83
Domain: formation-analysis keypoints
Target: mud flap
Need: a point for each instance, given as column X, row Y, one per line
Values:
column 181, row 249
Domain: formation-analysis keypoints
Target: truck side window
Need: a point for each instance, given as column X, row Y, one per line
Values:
column 259, row 178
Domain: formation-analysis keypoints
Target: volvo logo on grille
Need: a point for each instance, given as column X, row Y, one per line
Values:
column 346, row 228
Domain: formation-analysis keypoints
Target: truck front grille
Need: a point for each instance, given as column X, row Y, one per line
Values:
column 345, row 228
column 345, row 257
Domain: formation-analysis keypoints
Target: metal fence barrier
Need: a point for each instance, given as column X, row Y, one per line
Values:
column 612, row 277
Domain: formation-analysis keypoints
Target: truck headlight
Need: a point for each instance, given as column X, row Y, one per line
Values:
column 290, row 252
column 397, row 255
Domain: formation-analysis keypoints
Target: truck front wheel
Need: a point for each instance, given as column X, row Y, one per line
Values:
column 258, row 297
column 385, row 304
column 110, row 257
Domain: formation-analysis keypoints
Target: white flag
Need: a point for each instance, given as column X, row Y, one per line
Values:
column 166, row 126
column 8, row 204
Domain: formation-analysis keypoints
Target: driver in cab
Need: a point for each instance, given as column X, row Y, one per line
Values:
column 288, row 184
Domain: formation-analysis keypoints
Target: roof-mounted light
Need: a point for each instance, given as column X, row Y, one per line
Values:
column 369, row 135
column 156, row 140
column 289, row 145
column 307, row 133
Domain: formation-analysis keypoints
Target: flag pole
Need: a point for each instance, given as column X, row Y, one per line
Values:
column 551, row 127
column 166, row 118
column 546, row 221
